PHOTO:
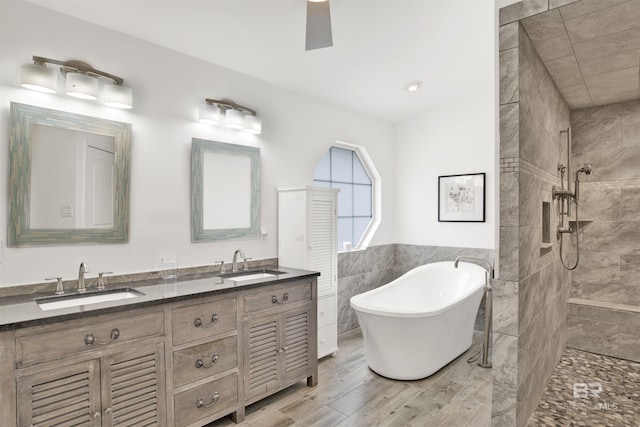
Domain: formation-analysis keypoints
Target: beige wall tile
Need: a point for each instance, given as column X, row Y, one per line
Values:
column 565, row 71
column 508, row 252
column 544, row 26
column 604, row 22
column 508, row 36
column 509, row 199
column 602, row 204
column 505, row 308
column 588, row 335
column 557, row 47
column 629, row 342
column 509, row 129
column 623, row 41
column 631, row 123
column 615, row 86
column 509, row 76
column 584, row 7
column 521, row 10
column 630, row 204
column 577, row 96
column 553, row 4
column 596, row 128
column 529, row 300
column 610, row 63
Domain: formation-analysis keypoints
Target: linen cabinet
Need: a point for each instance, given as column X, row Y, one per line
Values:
column 307, row 240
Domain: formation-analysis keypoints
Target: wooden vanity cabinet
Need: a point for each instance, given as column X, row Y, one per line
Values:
column 280, row 338
column 184, row 363
column 104, row 382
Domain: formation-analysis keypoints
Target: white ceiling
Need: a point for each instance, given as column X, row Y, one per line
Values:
column 379, row 45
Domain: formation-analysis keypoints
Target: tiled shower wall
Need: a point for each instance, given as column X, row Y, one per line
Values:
column 361, row 271
column 531, row 294
column 608, row 137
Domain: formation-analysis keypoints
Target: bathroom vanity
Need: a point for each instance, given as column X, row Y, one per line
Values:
column 178, row 355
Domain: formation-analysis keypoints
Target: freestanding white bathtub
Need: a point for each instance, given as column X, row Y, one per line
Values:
column 421, row 321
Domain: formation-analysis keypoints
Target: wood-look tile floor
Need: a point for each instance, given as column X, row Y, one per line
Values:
column 349, row 394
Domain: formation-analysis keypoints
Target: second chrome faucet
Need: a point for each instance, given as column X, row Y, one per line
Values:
column 83, row 269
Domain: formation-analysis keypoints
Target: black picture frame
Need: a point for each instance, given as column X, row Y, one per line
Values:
column 461, row 198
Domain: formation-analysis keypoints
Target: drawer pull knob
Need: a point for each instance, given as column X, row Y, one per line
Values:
column 198, row 322
column 274, row 299
column 214, row 359
column 214, row 399
column 115, row 334
column 89, row 339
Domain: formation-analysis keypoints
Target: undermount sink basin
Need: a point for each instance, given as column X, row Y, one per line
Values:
column 252, row 275
column 74, row 300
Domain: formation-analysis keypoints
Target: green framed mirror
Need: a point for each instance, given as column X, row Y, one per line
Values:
column 68, row 178
column 225, row 191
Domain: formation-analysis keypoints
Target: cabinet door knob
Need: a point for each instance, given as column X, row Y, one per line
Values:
column 96, row 415
column 108, row 411
column 89, row 339
column 115, row 334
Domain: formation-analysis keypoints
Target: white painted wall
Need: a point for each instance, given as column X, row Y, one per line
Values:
column 168, row 87
column 457, row 137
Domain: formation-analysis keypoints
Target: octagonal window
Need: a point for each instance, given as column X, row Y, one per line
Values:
column 349, row 169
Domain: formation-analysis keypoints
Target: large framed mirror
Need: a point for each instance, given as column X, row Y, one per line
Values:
column 68, row 178
column 225, row 191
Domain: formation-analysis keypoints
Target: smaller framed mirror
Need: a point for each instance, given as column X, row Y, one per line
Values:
column 68, row 178
column 225, row 191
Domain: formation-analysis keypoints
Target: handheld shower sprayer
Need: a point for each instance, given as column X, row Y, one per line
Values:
column 586, row 169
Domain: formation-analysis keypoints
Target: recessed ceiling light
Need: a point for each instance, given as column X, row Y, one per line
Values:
column 413, row 86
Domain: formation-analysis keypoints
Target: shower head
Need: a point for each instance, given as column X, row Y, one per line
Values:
column 586, row 169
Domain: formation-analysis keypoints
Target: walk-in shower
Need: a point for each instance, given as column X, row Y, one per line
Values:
column 566, row 198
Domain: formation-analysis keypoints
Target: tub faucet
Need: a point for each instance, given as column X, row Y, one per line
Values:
column 488, row 264
column 488, row 298
column 234, row 265
column 83, row 269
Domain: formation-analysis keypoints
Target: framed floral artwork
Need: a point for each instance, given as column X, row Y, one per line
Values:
column 461, row 198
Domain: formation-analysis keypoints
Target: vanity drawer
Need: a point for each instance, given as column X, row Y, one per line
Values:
column 83, row 335
column 204, row 320
column 277, row 297
column 200, row 361
column 205, row 400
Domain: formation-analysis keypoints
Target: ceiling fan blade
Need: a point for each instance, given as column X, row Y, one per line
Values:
column 318, row 25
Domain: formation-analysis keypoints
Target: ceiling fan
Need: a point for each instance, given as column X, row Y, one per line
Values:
column 318, row 25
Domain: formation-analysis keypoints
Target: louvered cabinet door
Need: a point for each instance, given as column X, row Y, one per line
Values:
column 133, row 391
column 297, row 354
column 322, row 242
column 64, row 396
column 262, row 346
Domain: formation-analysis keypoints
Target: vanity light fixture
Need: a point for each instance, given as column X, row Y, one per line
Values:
column 81, row 81
column 232, row 115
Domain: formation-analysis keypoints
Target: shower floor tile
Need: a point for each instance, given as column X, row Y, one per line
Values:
column 588, row 389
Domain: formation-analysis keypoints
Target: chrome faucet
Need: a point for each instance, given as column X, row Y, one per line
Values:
column 234, row 265
column 83, row 269
column 488, row 298
column 470, row 258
